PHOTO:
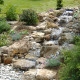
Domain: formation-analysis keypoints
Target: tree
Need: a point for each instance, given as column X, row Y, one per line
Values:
column 59, row 4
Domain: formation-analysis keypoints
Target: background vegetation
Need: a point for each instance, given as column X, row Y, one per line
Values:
column 38, row 5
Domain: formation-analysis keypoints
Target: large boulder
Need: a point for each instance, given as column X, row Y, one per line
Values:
column 39, row 74
column 19, row 47
column 48, row 51
column 24, row 64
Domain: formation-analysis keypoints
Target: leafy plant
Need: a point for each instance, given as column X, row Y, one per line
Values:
column 11, row 13
column 53, row 62
column 4, row 39
column 4, row 26
column 71, row 66
column 29, row 16
column 76, row 39
column 15, row 36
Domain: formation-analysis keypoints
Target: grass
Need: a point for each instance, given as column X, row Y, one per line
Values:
column 38, row 5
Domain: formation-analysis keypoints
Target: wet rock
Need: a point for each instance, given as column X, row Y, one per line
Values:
column 47, row 51
column 24, row 64
column 55, row 34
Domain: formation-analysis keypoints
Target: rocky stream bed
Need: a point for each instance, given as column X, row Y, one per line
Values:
column 27, row 58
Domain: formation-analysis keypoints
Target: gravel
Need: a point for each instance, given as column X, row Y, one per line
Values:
column 8, row 73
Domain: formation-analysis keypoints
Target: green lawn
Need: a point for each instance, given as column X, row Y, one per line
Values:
column 38, row 5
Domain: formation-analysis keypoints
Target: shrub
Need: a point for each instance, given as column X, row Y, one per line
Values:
column 71, row 66
column 59, row 4
column 4, row 26
column 1, row 2
column 4, row 39
column 29, row 16
column 11, row 14
column 15, row 36
column 76, row 39
column 53, row 62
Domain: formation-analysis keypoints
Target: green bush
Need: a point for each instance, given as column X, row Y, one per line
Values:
column 53, row 62
column 11, row 13
column 29, row 16
column 76, row 39
column 71, row 66
column 1, row 1
column 4, row 39
column 59, row 4
column 4, row 26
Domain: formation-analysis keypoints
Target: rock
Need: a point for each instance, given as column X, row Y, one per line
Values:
column 47, row 51
column 47, row 37
column 48, row 31
column 12, row 22
column 51, row 25
column 19, row 47
column 61, row 40
column 48, row 43
column 8, row 60
column 65, row 37
column 39, row 74
column 55, row 34
column 30, row 75
column 35, row 45
column 24, row 64
column 38, row 36
column 32, row 28
column 30, row 57
column 41, row 26
column 44, row 74
column 41, row 63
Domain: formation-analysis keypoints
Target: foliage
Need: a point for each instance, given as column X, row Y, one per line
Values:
column 76, row 39
column 29, row 16
column 15, row 36
column 59, row 4
column 4, row 26
column 11, row 13
column 4, row 39
column 71, row 66
column 53, row 62
column 1, row 1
